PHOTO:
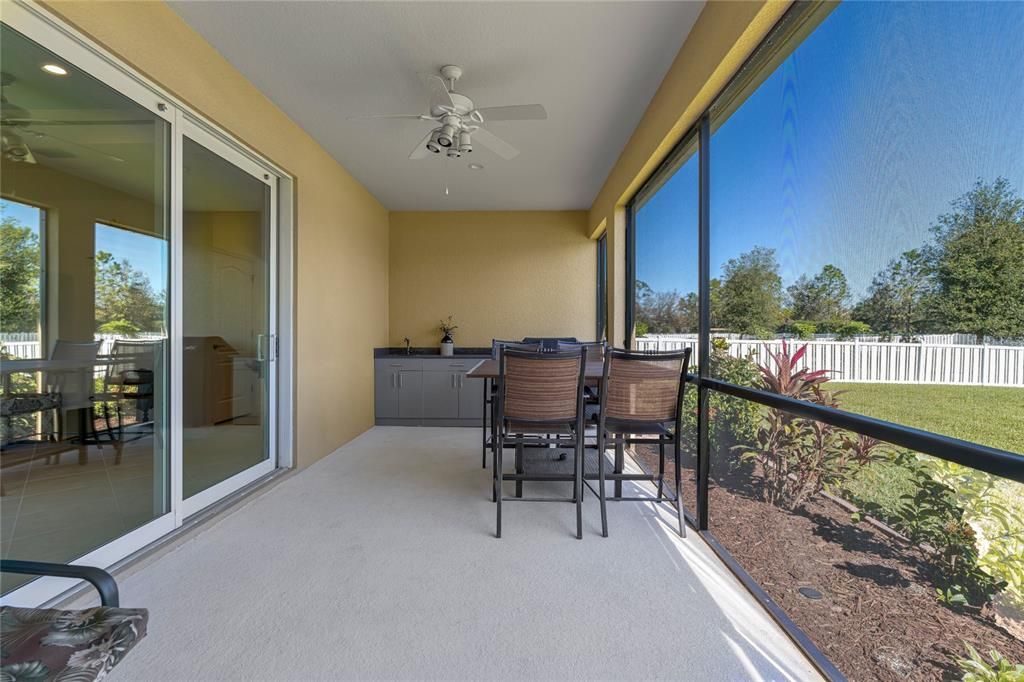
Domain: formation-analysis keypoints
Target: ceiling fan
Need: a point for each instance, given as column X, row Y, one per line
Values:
column 460, row 123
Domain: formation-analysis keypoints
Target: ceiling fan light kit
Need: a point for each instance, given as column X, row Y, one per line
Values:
column 461, row 122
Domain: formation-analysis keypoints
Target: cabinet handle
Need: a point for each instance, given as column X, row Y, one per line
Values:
column 401, row 380
column 452, row 377
column 396, row 364
column 457, row 364
column 461, row 379
column 393, row 375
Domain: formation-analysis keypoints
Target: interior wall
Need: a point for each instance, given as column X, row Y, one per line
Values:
column 503, row 275
column 341, row 231
column 73, row 207
column 725, row 34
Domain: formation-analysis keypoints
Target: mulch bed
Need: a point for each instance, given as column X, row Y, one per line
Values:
column 878, row 617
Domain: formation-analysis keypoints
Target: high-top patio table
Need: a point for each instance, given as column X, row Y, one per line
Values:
column 488, row 371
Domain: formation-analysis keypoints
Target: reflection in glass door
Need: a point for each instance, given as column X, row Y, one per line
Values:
column 227, row 377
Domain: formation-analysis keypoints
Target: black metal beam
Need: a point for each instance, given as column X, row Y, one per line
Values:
column 704, row 323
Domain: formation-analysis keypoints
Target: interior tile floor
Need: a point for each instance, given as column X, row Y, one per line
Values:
column 380, row 562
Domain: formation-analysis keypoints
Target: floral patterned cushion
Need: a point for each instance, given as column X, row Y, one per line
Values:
column 74, row 646
column 24, row 403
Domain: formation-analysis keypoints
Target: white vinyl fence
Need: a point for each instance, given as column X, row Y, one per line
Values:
column 26, row 346
column 879, row 362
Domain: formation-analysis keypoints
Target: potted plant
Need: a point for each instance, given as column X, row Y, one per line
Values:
column 447, row 326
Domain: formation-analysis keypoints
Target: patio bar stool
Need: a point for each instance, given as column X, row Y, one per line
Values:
column 640, row 404
column 491, row 388
column 540, row 403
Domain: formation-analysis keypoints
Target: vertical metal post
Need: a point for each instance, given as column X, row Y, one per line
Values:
column 704, row 325
column 630, row 277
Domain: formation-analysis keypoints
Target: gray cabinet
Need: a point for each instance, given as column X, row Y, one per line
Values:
column 385, row 392
column 471, row 398
column 440, row 395
column 410, row 394
column 427, row 390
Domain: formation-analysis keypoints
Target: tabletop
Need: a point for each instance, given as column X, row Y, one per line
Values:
column 488, row 369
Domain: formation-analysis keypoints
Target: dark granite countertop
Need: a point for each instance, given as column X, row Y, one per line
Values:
column 428, row 352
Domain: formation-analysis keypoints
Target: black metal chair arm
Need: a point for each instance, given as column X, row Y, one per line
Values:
column 100, row 579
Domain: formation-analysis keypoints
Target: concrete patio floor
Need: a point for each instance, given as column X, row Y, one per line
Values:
column 380, row 562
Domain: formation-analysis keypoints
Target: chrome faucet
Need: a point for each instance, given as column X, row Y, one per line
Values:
column 408, row 351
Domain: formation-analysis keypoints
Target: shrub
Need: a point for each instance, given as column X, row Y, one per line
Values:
column 798, row 457
column 803, row 329
column 931, row 517
column 733, row 421
column 997, row 669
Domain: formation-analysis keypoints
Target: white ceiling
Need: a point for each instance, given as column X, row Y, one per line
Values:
column 593, row 65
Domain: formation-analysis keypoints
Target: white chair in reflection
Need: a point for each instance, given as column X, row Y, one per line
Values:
column 75, row 385
column 129, row 381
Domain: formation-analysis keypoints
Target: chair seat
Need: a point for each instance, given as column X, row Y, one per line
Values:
column 533, row 427
column 50, row 644
column 639, row 428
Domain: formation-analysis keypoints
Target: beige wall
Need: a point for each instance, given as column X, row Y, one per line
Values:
column 501, row 274
column 341, row 232
column 725, row 34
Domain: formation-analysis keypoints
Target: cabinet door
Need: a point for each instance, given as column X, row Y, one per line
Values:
column 385, row 393
column 471, row 397
column 440, row 395
column 410, row 394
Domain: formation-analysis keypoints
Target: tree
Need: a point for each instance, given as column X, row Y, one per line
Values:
column 823, row 297
column 19, row 277
column 750, row 296
column 900, row 297
column 125, row 301
column 978, row 262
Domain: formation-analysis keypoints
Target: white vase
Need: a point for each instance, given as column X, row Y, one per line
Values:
column 447, row 348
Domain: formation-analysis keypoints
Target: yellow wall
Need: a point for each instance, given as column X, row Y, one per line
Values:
column 725, row 34
column 341, row 231
column 502, row 275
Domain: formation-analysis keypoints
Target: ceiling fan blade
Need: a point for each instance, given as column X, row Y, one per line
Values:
column 357, row 118
column 79, row 145
column 497, row 145
column 438, row 92
column 516, row 112
column 421, row 151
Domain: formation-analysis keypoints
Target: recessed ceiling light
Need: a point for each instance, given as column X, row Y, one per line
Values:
column 476, row 166
column 55, row 69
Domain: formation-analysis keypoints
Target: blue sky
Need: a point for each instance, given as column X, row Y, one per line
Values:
column 849, row 151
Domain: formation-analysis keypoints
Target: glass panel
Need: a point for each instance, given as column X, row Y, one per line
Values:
column 665, row 311
column 225, row 318
column 867, row 197
column 892, row 562
column 21, row 270
column 84, row 446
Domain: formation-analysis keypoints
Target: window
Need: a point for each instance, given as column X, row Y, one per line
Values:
column 865, row 219
column 867, row 199
column 22, row 234
column 664, row 239
column 602, row 287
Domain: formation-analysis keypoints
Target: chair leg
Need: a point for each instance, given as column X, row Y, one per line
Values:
column 679, row 485
column 483, row 425
column 619, row 464
column 494, row 468
column 519, row 465
column 661, row 468
column 498, row 491
column 601, row 482
column 578, row 457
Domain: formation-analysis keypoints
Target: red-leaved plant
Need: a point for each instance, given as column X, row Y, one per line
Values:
column 797, row 457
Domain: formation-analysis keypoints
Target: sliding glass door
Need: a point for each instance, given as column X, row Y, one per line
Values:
column 138, row 308
column 228, row 351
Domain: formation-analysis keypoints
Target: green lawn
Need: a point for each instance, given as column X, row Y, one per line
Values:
column 981, row 414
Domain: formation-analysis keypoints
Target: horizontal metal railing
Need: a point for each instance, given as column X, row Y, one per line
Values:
column 991, row 460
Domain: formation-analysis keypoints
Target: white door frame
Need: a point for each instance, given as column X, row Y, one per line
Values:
column 198, row 133
column 37, row 23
